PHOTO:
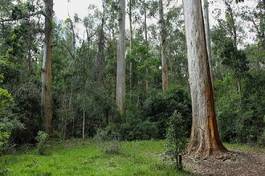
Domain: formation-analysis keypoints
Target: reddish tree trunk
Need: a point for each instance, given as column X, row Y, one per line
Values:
column 205, row 138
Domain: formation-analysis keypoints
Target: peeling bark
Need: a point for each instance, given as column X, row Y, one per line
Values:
column 205, row 139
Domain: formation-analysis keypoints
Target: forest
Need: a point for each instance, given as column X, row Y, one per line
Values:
column 132, row 88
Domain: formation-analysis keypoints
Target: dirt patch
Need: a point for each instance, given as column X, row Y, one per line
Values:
column 236, row 164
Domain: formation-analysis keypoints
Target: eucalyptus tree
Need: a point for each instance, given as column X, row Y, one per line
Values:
column 163, row 47
column 205, row 139
column 46, row 94
column 120, row 83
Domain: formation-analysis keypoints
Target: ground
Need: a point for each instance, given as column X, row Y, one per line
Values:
column 74, row 157
column 241, row 160
column 137, row 158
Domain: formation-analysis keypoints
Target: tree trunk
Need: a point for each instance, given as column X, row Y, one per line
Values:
column 146, row 43
column 208, row 34
column 145, row 23
column 232, row 26
column 46, row 95
column 100, row 53
column 131, row 43
column 84, row 125
column 205, row 138
column 120, row 84
column 163, row 47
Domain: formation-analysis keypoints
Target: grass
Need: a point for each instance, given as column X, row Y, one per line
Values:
column 87, row 158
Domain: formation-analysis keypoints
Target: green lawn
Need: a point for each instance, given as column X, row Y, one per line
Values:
column 77, row 158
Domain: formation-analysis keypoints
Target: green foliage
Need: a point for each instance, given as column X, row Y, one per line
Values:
column 5, row 99
column 78, row 157
column 5, row 130
column 262, row 139
column 176, row 137
column 112, row 147
column 159, row 107
column 4, row 139
column 135, row 128
column 42, row 139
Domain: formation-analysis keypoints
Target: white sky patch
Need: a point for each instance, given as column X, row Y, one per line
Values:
column 80, row 7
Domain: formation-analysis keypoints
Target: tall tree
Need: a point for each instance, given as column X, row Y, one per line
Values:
column 207, row 32
column 120, row 83
column 131, row 43
column 101, row 44
column 163, row 47
column 231, row 22
column 46, row 95
column 205, row 138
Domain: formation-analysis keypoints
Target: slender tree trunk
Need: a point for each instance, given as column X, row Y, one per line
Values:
column 163, row 47
column 100, row 53
column 84, row 125
column 73, row 34
column 146, row 43
column 208, row 33
column 205, row 138
column 30, row 69
column 131, row 43
column 145, row 23
column 232, row 26
column 120, row 84
column 46, row 96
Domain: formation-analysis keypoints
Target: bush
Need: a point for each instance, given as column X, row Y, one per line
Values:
column 111, row 147
column 107, row 134
column 160, row 107
column 4, row 138
column 176, row 137
column 42, row 139
column 136, row 128
column 262, row 139
column 3, row 171
column 6, row 125
column 108, row 139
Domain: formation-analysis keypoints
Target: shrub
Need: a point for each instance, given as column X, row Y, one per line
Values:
column 108, row 139
column 3, row 171
column 176, row 137
column 112, row 147
column 4, row 138
column 6, row 125
column 160, row 107
column 42, row 139
column 262, row 139
column 107, row 134
column 138, row 129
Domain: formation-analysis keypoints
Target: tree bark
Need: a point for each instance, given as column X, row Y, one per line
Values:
column 84, row 125
column 205, row 139
column 46, row 95
column 208, row 33
column 146, row 43
column 131, row 43
column 120, row 84
column 163, row 47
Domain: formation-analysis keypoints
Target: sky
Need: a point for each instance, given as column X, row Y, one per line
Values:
column 75, row 6
column 80, row 7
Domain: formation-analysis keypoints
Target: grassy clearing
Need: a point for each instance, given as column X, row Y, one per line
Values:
column 86, row 158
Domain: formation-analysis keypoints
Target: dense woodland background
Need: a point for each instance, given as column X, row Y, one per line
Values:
column 84, row 72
